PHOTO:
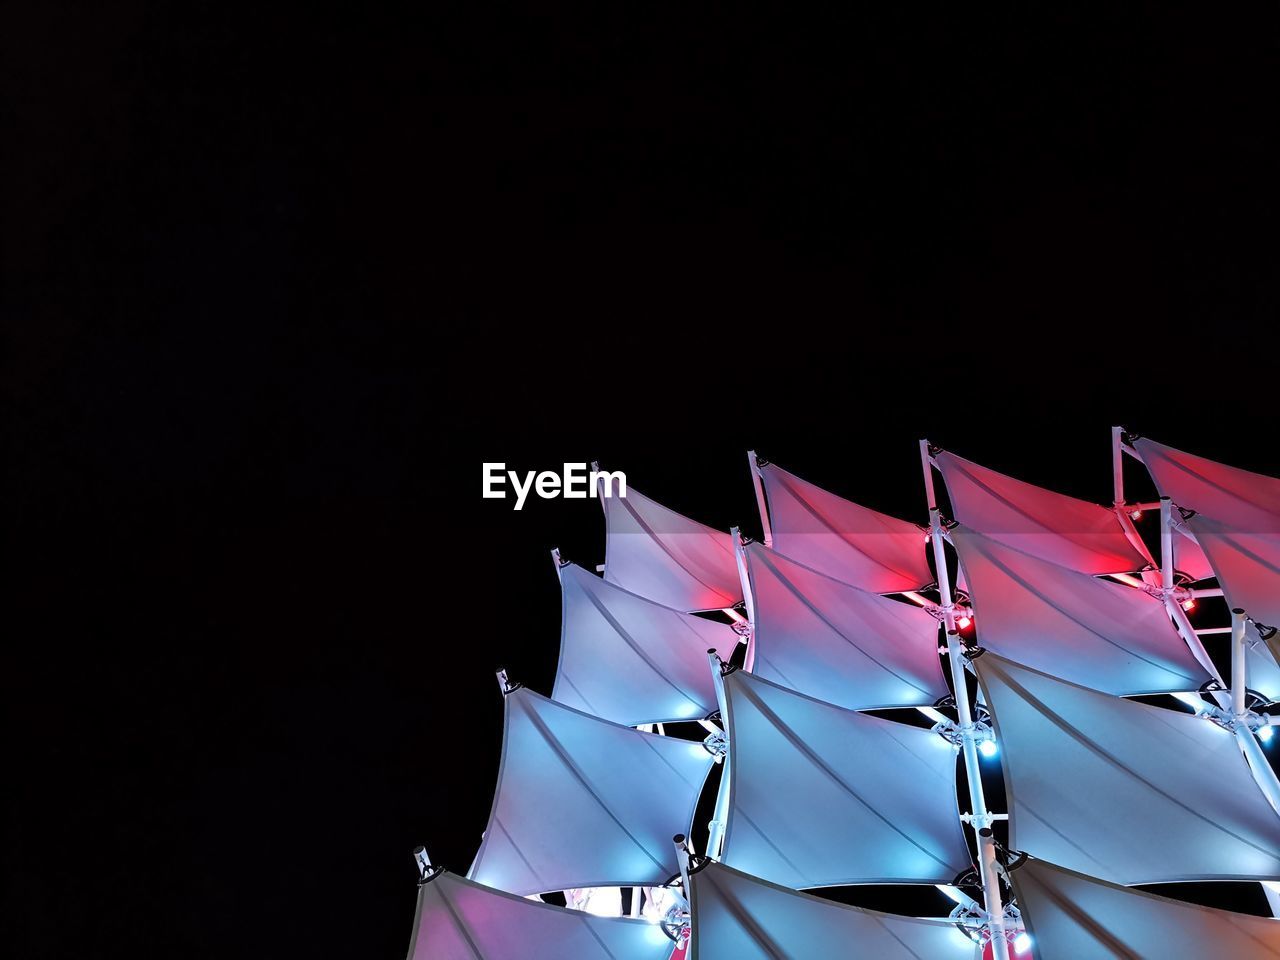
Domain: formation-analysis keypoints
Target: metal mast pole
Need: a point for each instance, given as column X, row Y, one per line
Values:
column 981, row 819
column 1170, row 603
column 766, row 527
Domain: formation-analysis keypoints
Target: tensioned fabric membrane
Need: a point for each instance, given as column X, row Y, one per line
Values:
column 838, row 643
column 823, row 796
column 458, row 919
column 663, row 555
column 1072, row 916
column 842, row 539
column 1236, row 522
column 736, row 916
column 1073, row 533
column 1103, row 635
column 582, row 802
column 1180, row 802
column 630, row 660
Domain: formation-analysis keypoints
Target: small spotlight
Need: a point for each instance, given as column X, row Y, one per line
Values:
column 1022, row 943
column 1265, row 733
column 1189, row 603
column 1135, row 514
column 988, row 748
column 963, row 622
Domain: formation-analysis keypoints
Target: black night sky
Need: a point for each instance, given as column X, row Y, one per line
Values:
column 280, row 280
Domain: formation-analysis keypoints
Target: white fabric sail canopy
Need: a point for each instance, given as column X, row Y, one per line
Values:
column 1071, row 916
column 852, row 543
column 736, row 916
column 821, row 796
column 1264, row 673
column 1121, row 790
column 838, row 643
column 1241, row 498
column 1237, row 522
column 461, row 920
column 582, row 802
column 1093, row 632
column 631, row 660
column 663, row 555
column 1247, row 566
column 1074, row 533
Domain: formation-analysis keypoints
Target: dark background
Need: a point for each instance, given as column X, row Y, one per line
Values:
column 281, row 279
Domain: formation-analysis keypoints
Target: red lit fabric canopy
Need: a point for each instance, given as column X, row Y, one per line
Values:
column 1071, row 916
column 837, row 537
column 1073, row 533
column 668, row 558
column 630, row 660
column 459, row 919
column 838, row 643
column 1093, row 632
column 1236, row 523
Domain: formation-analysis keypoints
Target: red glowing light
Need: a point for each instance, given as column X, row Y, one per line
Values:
column 964, row 622
column 1188, row 604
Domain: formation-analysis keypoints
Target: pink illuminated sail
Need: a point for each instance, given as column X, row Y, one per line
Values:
column 1236, row 523
column 668, row 558
column 1122, row 790
column 835, row 642
column 1074, row 533
column 1093, row 632
column 462, row 920
column 736, row 916
column 1071, row 916
column 630, row 660
column 852, row 543
column 582, row 802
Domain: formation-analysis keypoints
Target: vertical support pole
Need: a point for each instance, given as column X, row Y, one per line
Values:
column 1166, row 544
column 1171, row 605
column 715, row 842
column 1118, row 498
column 686, row 888
column 940, row 564
column 744, row 576
column 926, row 462
column 765, row 526
column 1239, row 664
column 635, row 900
column 1117, row 466
column 981, row 819
column 422, row 860
column 682, row 858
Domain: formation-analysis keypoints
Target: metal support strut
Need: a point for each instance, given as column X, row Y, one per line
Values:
column 981, row 819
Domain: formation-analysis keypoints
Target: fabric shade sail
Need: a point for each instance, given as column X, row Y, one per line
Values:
column 1074, row 533
column 582, row 802
column 461, row 920
column 660, row 554
column 1072, row 916
column 1239, row 498
column 1264, row 674
column 1237, row 522
column 1100, row 634
column 876, row 552
column 736, row 916
column 630, row 660
column 1121, row 790
column 822, row 796
column 1247, row 566
column 1190, row 559
column 838, row 643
